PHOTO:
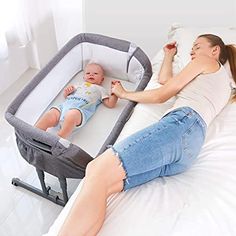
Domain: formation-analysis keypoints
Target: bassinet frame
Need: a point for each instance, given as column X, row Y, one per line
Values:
column 46, row 151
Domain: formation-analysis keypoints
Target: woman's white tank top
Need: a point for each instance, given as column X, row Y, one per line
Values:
column 207, row 94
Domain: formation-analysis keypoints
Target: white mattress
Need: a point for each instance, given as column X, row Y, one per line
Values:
column 199, row 202
column 88, row 138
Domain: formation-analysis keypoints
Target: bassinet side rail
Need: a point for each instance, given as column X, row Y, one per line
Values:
column 128, row 110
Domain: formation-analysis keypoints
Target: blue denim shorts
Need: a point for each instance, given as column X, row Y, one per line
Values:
column 165, row 148
column 86, row 109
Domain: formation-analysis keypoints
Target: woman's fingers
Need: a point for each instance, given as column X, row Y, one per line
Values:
column 118, row 89
column 170, row 48
column 113, row 82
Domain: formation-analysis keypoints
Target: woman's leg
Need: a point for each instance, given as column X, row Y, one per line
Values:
column 49, row 119
column 104, row 176
column 114, row 189
column 72, row 118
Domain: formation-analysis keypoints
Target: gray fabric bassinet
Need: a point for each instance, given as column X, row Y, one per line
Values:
column 48, row 152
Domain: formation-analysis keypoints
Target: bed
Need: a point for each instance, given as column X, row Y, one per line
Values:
column 200, row 201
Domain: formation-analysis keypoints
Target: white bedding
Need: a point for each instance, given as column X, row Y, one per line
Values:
column 201, row 201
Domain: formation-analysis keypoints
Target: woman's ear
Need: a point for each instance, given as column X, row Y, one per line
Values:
column 216, row 50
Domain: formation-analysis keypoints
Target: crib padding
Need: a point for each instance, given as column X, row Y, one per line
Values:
column 119, row 58
column 47, row 152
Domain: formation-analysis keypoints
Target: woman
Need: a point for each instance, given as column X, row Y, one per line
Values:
column 165, row 148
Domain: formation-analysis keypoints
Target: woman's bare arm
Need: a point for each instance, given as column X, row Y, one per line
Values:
column 166, row 67
column 200, row 65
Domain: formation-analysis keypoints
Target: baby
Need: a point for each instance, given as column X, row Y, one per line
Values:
column 80, row 103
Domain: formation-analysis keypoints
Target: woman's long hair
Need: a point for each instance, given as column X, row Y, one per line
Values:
column 227, row 52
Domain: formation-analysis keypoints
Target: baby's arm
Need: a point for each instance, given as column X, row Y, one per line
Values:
column 68, row 90
column 112, row 99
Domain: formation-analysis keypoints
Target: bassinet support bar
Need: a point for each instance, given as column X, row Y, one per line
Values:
column 48, row 152
column 46, row 192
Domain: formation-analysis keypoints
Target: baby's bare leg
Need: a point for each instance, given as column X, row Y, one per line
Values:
column 72, row 118
column 49, row 119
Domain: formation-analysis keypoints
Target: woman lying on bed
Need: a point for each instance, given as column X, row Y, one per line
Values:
column 168, row 147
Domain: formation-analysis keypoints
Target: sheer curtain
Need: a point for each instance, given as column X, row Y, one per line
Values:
column 14, row 25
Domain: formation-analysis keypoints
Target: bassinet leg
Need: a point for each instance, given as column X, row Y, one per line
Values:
column 46, row 192
column 52, row 196
column 63, row 185
column 42, row 182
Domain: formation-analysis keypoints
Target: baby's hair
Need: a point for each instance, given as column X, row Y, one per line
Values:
column 97, row 64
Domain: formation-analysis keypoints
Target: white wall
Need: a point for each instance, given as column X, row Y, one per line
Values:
column 147, row 22
column 68, row 19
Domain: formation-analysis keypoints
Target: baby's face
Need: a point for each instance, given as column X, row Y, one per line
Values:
column 94, row 74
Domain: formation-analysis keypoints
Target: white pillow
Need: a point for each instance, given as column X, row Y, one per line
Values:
column 185, row 36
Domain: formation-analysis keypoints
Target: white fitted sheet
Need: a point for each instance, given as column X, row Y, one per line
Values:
column 88, row 137
column 199, row 202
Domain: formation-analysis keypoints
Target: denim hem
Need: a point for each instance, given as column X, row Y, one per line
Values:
column 126, row 181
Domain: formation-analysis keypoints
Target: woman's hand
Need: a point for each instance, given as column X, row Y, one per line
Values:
column 117, row 89
column 170, row 49
column 68, row 90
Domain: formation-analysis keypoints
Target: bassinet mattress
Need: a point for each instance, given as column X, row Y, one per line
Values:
column 96, row 130
column 200, row 201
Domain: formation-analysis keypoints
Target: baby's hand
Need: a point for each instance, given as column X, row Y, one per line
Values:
column 68, row 90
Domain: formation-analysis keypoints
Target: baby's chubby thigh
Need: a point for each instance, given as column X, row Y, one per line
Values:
column 54, row 115
column 71, row 113
column 73, row 116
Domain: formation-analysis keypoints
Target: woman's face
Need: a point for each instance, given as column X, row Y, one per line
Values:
column 201, row 47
